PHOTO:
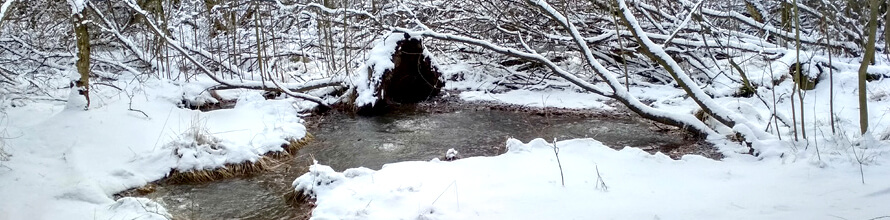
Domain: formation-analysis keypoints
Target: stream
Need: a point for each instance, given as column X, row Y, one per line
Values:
column 345, row 141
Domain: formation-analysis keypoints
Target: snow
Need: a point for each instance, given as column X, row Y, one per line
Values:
column 77, row 6
column 817, row 178
column 609, row 77
column 67, row 163
column 452, row 154
column 554, row 98
column 524, row 183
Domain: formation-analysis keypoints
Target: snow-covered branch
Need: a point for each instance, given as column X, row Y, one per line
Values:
column 657, row 53
column 512, row 52
column 3, row 9
column 178, row 46
column 685, row 121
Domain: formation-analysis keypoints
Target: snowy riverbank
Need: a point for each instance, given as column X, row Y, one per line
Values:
column 525, row 183
column 68, row 163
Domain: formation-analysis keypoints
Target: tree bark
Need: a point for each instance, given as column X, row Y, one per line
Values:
column 863, row 68
column 83, row 56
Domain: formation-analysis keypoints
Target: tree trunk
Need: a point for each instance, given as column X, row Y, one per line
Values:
column 863, row 68
column 83, row 56
column 797, row 74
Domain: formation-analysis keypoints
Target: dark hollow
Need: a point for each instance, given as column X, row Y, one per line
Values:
column 414, row 78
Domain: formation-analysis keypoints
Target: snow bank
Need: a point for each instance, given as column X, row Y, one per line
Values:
column 213, row 139
column 524, row 183
column 67, row 163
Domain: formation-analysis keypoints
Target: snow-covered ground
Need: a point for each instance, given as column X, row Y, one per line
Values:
column 67, row 163
column 840, row 175
column 600, row 183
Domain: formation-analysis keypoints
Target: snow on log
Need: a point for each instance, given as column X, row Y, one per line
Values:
column 398, row 71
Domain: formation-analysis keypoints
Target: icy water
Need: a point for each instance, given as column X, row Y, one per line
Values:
column 343, row 141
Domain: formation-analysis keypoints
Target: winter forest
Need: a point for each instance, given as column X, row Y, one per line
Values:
column 432, row 109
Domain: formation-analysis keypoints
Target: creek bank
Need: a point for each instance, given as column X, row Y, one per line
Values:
column 411, row 132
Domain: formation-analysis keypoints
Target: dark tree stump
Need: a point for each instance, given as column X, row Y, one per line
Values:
column 414, row 78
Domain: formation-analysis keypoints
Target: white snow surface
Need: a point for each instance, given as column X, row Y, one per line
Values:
column 67, row 163
column 451, row 154
column 554, row 98
column 524, row 183
column 76, row 6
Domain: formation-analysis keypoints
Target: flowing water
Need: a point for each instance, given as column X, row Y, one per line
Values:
column 344, row 141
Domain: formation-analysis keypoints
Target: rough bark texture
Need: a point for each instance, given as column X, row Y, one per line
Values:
column 83, row 57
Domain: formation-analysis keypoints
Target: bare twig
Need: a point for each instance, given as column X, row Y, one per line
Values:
column 556, row 153
column 600, row 183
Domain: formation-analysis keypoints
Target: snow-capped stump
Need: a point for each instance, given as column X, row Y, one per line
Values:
column 809, row 75
column 451, row 155
column 398, row 71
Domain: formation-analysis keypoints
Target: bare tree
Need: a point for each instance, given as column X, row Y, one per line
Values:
column 82, row 35
column 866, row 60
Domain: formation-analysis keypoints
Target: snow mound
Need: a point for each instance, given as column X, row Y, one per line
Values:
column 516, row 146
column 321, row 179
column 197, row 94
column 451, row 154
column 198, row 150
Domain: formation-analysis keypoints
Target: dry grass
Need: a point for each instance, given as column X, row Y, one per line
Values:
column 228, row 171
column 265, row 162
column 295, row 197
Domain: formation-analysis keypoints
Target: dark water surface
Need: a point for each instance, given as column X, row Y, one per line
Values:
column 344, row 141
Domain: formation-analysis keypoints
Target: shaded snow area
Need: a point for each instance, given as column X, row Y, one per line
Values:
column 600, row 183
column 67, row 163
